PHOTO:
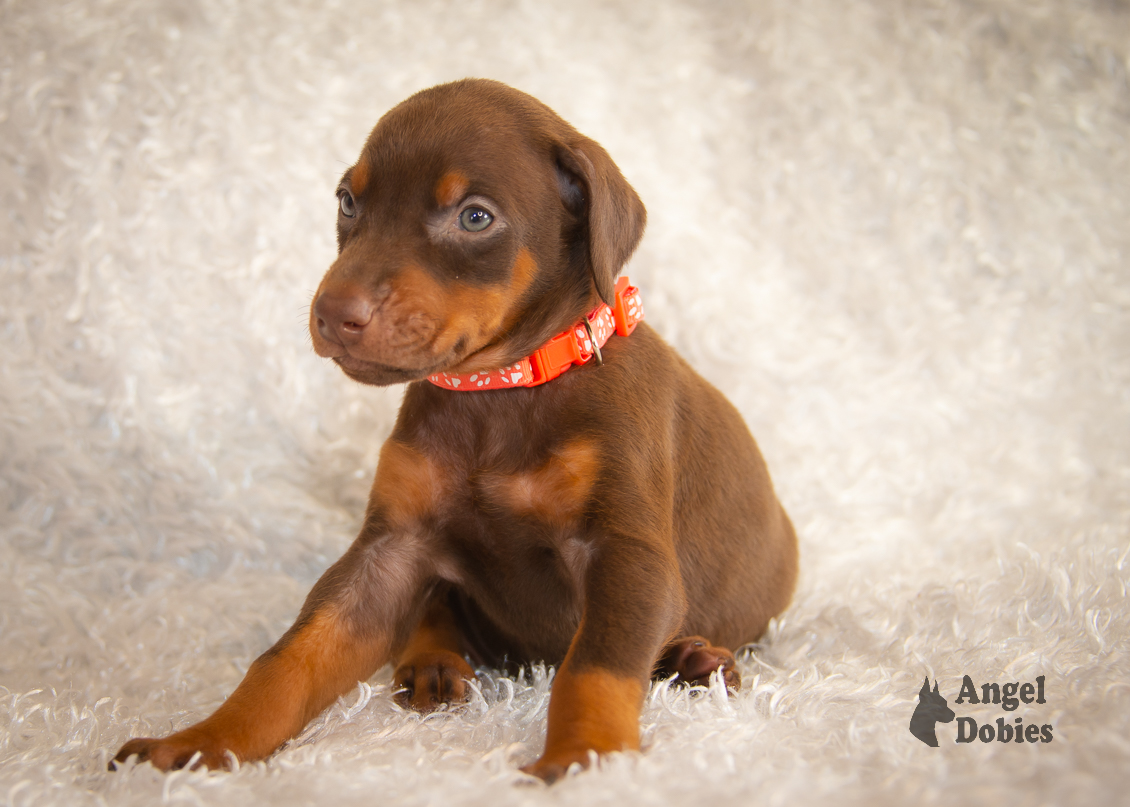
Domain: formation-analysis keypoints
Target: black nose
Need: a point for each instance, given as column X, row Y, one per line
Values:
column 342, row 320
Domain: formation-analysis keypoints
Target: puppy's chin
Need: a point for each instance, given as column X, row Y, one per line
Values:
column 460, row 360
column 376, row 374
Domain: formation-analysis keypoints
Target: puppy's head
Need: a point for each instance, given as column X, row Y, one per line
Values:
column 475, row 225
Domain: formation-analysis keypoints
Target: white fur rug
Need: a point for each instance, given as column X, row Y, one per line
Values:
column 895, row 233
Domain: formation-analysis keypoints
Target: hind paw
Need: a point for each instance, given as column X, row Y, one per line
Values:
column 425, row 681
column 694, row 659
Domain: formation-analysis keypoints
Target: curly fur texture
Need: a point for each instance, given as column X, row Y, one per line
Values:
column 893, row 233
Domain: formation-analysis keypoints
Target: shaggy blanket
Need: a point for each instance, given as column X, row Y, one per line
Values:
column 893, row 233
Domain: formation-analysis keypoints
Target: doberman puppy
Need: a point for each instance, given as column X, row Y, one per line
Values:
column 616, row 520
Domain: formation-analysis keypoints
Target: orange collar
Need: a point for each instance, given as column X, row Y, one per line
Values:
column 575, row 346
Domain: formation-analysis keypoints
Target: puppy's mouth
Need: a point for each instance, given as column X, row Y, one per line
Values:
column 457, row 360
column 372, row 372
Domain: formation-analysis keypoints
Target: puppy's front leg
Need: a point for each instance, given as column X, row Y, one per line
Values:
column 634, row 603
column 350, row 625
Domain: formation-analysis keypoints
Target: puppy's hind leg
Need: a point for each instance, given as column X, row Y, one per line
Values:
column 431, row 670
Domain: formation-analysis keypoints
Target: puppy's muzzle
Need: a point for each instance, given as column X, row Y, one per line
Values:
column 342, row 320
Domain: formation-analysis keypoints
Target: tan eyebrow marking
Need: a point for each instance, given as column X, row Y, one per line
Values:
column 359, row 177
column 450, row 188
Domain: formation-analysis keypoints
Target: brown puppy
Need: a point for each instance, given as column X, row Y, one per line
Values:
column 616, row 521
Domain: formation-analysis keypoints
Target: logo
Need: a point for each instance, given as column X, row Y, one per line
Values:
column 933, row 708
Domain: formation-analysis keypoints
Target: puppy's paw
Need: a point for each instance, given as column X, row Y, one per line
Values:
column 426, row 680
column 175, row 752
column 552, row 767
column 695, row 659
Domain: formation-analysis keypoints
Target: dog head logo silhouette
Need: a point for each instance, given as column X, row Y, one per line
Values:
column 932, row 708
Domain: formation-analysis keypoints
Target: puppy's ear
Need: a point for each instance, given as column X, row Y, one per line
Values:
column 613, row 216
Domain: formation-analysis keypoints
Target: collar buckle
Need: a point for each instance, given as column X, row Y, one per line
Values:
column 555, row 357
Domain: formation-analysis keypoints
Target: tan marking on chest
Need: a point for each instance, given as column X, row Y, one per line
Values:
column 300, row 676
column 556, row 492
column 408, row 484
column 450, row 188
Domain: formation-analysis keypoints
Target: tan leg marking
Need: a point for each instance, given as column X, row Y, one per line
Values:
column 591, row 710
column 282, row 691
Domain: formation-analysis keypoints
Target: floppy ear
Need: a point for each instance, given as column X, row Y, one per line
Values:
column 614, row 217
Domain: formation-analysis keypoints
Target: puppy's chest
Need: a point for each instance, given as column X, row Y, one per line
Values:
column 501, row 487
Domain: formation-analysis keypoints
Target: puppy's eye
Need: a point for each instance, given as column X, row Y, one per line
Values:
column 348, row 208
column 475, row 219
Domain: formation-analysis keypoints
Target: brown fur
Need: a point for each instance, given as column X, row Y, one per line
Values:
column 588, row 522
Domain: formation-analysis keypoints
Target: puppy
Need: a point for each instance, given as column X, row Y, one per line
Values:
column 560, row 485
